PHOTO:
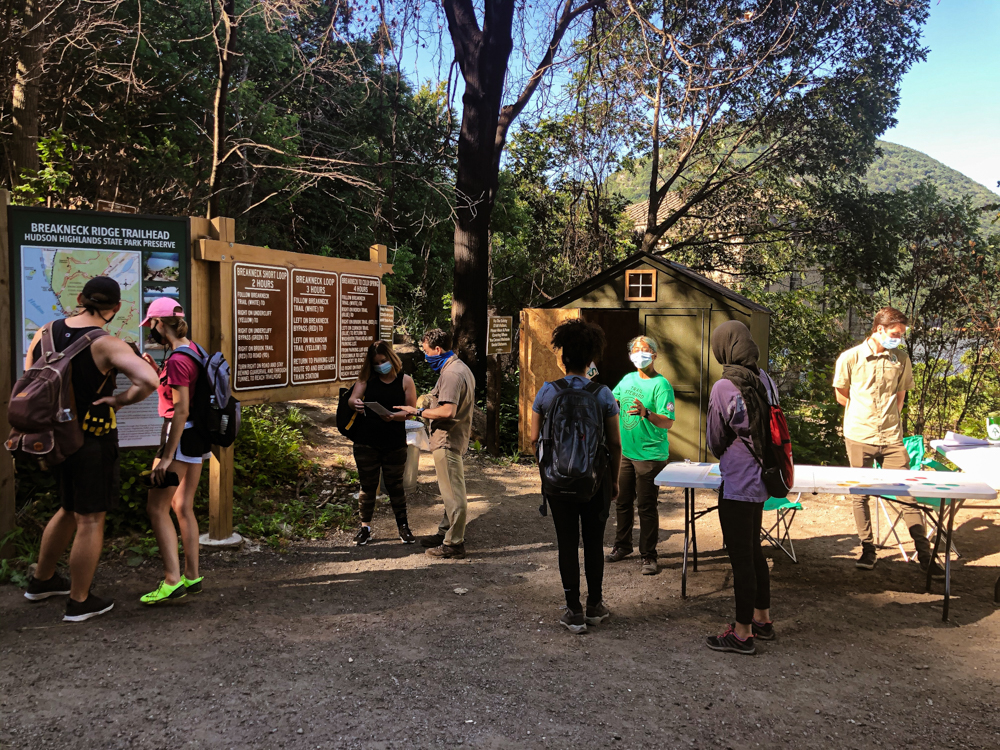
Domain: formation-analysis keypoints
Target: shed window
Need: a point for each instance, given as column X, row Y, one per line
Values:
column 640, row 286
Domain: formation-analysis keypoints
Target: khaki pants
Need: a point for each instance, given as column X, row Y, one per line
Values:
column 451, row 481
column 890, row 457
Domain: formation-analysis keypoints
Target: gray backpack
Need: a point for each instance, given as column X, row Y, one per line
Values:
column 572, row 455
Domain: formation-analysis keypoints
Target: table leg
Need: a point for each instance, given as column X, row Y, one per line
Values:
column 684, row 555
column 953, row 505
column 694, row 534
column 937, row 542
column 996, row 592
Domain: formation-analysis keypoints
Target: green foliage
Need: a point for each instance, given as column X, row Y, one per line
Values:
column 51, row 181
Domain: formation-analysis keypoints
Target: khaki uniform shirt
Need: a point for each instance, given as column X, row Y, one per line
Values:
column 455, row 385
column 872, row 413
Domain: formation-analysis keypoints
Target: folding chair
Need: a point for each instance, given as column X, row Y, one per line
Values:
column 914, row 445
column 780, row 533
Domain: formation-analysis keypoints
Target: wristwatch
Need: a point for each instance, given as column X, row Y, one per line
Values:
column 420, row 412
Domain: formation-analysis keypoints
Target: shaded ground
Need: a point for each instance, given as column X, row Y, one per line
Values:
column 333, row 646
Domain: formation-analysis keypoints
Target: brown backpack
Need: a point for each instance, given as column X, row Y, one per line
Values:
column 42, row 411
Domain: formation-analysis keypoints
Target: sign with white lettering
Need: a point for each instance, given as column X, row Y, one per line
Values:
column 260, row 317
column 499, row 335
column 386, row 322
column 359, row 298
column 314, row 326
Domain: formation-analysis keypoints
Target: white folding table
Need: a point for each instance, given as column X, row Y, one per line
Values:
column 835, row 480
column 981, row 462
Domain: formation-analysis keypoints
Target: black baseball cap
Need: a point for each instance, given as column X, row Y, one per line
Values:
column 102, row 291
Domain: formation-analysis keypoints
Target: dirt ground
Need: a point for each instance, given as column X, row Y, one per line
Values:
column 334, row 646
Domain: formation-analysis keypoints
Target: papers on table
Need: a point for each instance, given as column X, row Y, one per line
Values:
column 955, row 439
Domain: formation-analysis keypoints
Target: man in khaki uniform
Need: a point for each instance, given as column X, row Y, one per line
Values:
column 450, row 412
column 871, row 382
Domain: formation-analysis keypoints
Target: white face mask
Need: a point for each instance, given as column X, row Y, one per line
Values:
column 890, row 342
column 641, row 360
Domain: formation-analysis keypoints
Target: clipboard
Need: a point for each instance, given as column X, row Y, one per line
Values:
column 380, row 410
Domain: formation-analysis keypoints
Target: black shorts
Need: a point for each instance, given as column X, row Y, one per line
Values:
column 192, row 449
column 89, row 480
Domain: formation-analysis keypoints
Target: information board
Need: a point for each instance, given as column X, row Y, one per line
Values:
column 386, row 322
column 314, row 326
column 499, row 335
column 359, row 317
column 54, row 252
column 260, row 317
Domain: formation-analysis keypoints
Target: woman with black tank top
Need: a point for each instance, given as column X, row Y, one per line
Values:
column 381, row 448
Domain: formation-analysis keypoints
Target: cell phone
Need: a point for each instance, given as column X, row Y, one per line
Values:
column 169, row 480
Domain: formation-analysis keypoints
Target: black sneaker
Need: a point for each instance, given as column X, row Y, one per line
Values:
column 80, row 611
column 763, row 631
column 597, row 613
column 729, row 642
column 54, row 586
column 435, row 540
column 868, row 559
column 363, row 536
column 937, row 572
column 405, row 535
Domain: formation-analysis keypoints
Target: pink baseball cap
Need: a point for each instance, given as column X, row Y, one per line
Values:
column 163, row 307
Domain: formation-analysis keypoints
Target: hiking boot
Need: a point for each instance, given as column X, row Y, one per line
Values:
column 649, row 566
column 868, row 559
column 617, row 554
column 574, row 622
column 192, row 586
column 937, row 572
column 448, row 551
column 54, row 586
column 405, row 535
column 165, row 591
column 597, row 613
column 80, row 611
column 434, row 540
column 363, row 537
column 730, row 642
column 763, row 631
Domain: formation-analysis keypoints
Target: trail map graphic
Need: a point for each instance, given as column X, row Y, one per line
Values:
column 53, row 277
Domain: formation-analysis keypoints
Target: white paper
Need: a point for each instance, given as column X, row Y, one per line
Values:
column 376, row 407
column 955, row 438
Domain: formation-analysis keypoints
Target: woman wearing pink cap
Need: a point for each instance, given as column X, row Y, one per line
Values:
column 177, row 466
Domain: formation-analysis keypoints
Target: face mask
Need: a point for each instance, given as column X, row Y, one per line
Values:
column 384, row 369
column 436, row 361
column 642, row 360
column 890, row 342
column 156, row 336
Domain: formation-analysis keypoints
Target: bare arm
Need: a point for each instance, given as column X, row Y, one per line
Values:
column 843, row 395
column 29, row 358
column 536, row 428
column 112, row 352
column 658, row 420
column 182, row 408
column 357, row 397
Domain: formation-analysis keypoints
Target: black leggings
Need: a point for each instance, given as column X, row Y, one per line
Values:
column 740, row 523
column 374, row 463
column 572, row 520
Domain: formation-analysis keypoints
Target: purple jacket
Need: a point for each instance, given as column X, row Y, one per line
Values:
column 727, row 423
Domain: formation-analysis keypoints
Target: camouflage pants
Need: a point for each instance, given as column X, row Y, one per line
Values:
column 373, row 463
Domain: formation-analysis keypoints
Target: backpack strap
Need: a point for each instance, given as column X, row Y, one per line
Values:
column 561, row 384
column 49, row 353
column 593, row 387
column 198, row 355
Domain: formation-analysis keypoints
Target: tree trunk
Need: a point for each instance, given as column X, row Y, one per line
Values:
column 24, row 143
column 226, row 48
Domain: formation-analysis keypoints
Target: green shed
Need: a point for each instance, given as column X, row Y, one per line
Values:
column 652, row 296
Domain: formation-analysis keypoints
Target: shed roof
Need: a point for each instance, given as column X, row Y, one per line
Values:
column 663, row 264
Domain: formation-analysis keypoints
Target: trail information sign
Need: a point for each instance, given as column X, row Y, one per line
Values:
column 386, row 322
column 499, row 335
column 315, row 305
column 54, row 252
column 359, row 315
column 260, row 310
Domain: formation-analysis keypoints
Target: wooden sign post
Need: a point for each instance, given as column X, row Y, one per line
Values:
column 499, row 340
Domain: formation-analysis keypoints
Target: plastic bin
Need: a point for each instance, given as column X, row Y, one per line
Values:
column 416, row 441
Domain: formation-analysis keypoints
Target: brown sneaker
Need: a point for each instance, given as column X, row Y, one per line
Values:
column 597, row 613
column 434, row 540
column 448, row 551
column 649, row 566
column 617, row 554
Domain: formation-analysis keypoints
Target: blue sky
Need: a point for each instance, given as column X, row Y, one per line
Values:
column 950, row 104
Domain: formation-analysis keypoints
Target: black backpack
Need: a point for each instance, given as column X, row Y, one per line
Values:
column 349, row 421
column 572, row 454
column 214, row 411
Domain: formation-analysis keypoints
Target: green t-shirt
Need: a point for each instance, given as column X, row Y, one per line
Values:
column 641, row 439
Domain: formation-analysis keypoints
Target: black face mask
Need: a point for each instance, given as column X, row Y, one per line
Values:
column 156, row 336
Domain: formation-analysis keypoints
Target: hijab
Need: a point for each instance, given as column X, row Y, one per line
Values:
column 735, row 350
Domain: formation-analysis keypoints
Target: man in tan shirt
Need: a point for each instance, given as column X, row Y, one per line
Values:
column 871, row 382
column 450, row 412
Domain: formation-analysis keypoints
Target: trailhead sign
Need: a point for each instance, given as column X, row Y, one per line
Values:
column 54, row 252
column 314, row 326
column 260, row 298
column 359, row 320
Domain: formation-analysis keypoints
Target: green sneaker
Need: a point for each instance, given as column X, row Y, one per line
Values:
column 165, row 591
column 193, row 587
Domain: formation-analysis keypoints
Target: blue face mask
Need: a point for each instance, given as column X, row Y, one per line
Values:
column 436, row 361
column 384, row 369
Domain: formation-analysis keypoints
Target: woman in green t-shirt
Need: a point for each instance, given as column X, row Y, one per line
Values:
column 647, row 412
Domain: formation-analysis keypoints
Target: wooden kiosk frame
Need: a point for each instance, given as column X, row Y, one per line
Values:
column 214, row 252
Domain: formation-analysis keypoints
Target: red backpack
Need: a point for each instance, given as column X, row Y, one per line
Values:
column 42, row 411
column 779, row 468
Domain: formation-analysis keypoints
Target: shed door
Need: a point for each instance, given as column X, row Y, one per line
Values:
column 620, row 327
column 683, row 344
